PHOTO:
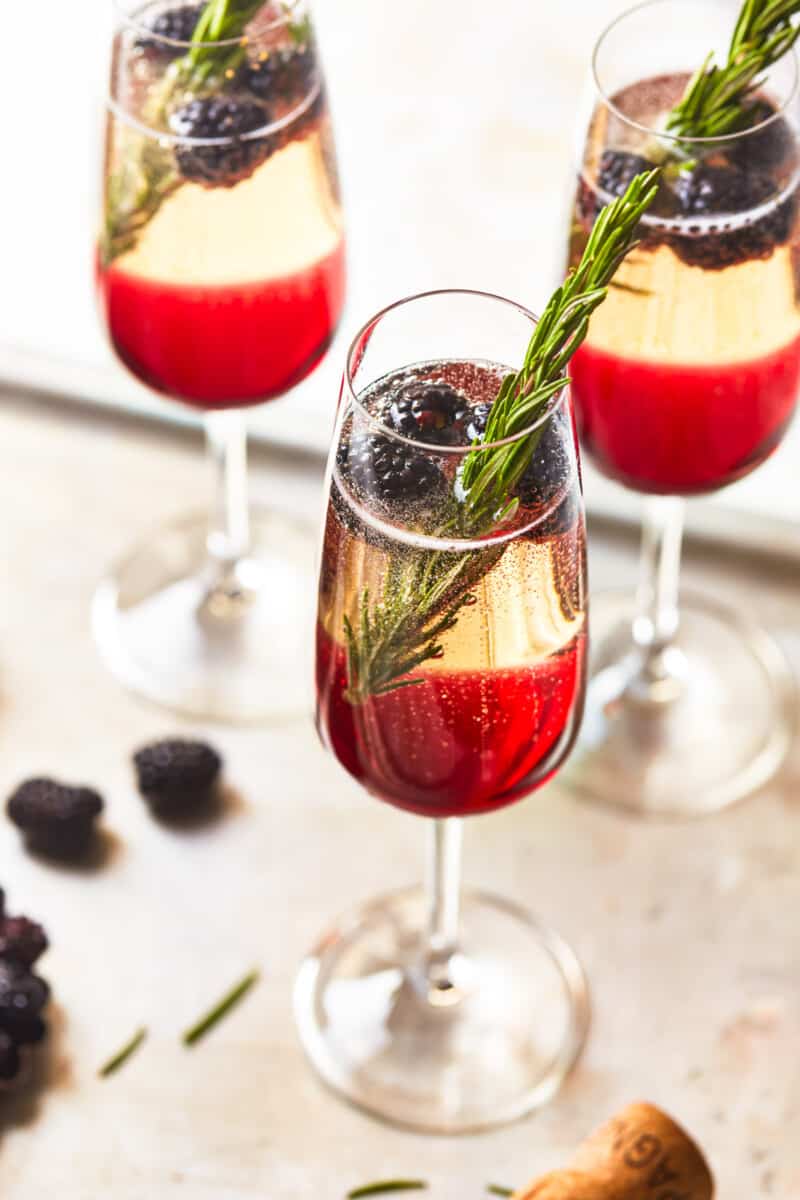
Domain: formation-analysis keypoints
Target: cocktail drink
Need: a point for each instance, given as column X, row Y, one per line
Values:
column 221, row 278
column 687, row 381
column 492, row 714
column 450, row 676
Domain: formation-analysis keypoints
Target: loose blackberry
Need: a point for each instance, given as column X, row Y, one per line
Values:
column 387, row 470
column 9, row 1058
column 618, row 169
column 21, row 940
column 220, row 117
column 176, row 775
column 173, row 25
column 478, row 420
column 428, row 412
column 710, row 190
column 56, row 819
column 22, row 999
column 287, row 74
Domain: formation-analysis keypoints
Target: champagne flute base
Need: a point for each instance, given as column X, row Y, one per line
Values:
column 709, row 726
column 494, row 1046
column 209, row 640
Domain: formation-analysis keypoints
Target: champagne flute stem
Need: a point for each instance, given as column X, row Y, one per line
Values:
column 444, row 906
column 657, row 601
column 229, row 533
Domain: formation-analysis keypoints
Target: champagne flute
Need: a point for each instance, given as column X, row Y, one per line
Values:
column 221, row 277
column 450, row 675
column 687, row 381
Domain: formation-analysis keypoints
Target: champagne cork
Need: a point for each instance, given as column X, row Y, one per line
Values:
column 640, row 1154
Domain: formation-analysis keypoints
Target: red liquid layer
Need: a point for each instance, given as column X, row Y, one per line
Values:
column 223, row 347
column 461, row 742
column 678, row 430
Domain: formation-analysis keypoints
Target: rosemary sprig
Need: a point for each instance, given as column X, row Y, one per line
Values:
column 220, row 1009
column 424, row 592
column 221, row 21
column 422, row 599
column 384, row 1186
column 121, row 1057
column 717, row 100
column 490, row 476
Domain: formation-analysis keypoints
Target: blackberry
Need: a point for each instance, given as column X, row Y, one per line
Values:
column 763, row 149
column 428, row 412
column 56, row 819
column 548, row 469
column 221, row 117
column 9, row 1058
column 21, row 940
column 478, row 420
column 618, row 169
column 22, row 999
column 387, row 470
column 168, row 27
column 708, row 190
column 287, row 74
column 548, row 472
column 176, row 775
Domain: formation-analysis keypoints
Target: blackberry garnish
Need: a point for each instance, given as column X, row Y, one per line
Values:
column 387, row 470
column 478, row 420
column 709, row 190
column 56, row 819
column 9, row 1058
column 21, row 940
column 428, row 412
column 547, row 474
column 618, row 169
column 176, row 775
column 219, row 117
column 173, row 25
column 22, row 998
column 286, row 74
column 548, row 469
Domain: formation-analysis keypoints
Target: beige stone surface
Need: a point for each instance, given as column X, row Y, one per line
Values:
column 688, row 932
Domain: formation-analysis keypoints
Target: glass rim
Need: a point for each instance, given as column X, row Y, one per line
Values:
column 680, row 139
column 356, row 347
column 131, row 20
column 168, row 137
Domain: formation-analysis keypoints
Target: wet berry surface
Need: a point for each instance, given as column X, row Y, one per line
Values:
column 226, row 163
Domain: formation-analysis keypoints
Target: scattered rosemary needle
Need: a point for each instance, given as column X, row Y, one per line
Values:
column 122, row 1056
column 220, row 1009
column 382, row 1187
column 494, row 1189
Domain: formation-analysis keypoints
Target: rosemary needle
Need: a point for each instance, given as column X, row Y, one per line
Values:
column 494, row 1189
column 220, row 1009
column 387, row 1185
column 122, row 1056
